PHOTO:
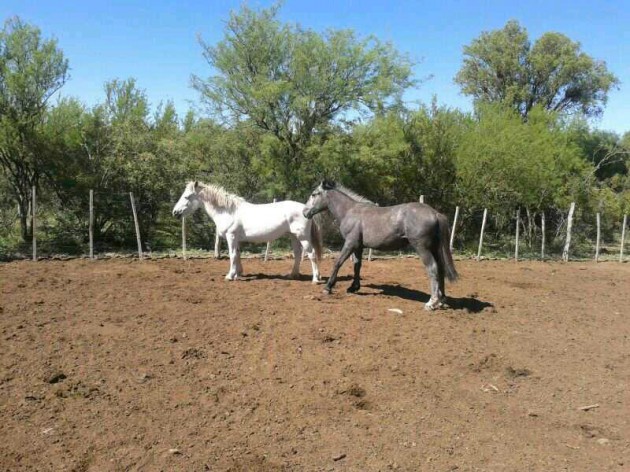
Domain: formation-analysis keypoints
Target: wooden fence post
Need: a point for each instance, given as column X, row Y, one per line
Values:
column 184, row 237
column 483, row 227
column 567, row 244
column 542, row 246
column 34, row 222
column 268, row 243
column 518, row 224
column 598, row 237
column 135, row 221
column 453, row 228
column 91, row 225
column 623, row 236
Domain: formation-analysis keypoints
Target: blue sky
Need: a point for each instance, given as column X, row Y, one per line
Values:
column 155, row 41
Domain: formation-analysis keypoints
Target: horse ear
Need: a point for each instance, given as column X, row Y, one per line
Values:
column 196, row 186
column 328, row 184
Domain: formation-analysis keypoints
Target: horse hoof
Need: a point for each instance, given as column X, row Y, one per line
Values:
column 352, row 289
column 317, row 281
column 327, row 291
column 434, row 306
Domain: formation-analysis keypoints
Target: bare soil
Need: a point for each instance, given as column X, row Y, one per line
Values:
column 122, row 365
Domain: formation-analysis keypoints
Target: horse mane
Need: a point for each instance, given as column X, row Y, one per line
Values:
column 218, row 196
column 352, row 194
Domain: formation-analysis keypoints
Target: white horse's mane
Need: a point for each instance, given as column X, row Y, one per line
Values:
column 218, row 196
column 352, row 194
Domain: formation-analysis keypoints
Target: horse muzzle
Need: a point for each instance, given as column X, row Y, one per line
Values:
column 308, row 214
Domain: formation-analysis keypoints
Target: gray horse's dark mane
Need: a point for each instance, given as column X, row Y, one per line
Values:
column 352, row 194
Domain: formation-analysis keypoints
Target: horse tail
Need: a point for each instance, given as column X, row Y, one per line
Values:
column 444, row 250
column 316, row 240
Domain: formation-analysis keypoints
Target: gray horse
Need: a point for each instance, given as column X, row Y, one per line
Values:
column 364, row 224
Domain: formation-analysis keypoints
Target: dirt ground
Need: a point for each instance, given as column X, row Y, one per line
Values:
column 163, row 366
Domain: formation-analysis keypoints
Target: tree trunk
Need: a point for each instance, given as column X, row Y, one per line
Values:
column 24, row 208
column 530, row 227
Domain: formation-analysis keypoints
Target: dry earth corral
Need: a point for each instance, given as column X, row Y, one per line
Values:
column 162, row 365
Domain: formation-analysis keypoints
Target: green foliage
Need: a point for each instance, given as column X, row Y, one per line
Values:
column 396, row 157
column 143, row 156
column 607, row 181
column 113, row 149
column 435, row 135
column 293, row 83
column 607, row 153
column 504, row 163
column 230, row 157
column 292, row 106
column 31, row 71
column 502, row 66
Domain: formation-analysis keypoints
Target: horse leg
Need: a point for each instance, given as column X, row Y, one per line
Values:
column 239, row 265
column 356, row 282
column 308, row 248
column 436, row 277
column 297, row 257
column 234, row 256
column 347, row 249
column 441, row 276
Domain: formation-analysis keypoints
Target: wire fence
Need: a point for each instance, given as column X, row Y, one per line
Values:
column 111, row 224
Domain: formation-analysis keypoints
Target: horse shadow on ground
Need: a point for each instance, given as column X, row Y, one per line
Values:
column 468, row 304
column 301, row 277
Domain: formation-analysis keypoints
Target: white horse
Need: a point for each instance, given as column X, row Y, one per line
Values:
column 240, row 221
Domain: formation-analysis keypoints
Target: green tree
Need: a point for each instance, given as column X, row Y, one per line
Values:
column 292, row 83
column 32, row 69
column 114, row 148
column 64, row 205
column 63, row 132
column 554, row 73
column 434, row 134
column 143, row 156
column 228, row 156
column 396, row 156
column 603, row 149
column 503, row 163
column 607, row 180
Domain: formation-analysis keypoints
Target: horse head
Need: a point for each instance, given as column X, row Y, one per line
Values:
column 318, row 200
column 189, row 201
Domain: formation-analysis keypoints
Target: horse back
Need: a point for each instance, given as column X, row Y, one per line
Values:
column 392, row 227
column 268, row 221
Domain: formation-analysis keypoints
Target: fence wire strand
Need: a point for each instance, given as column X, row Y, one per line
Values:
column 63, row 232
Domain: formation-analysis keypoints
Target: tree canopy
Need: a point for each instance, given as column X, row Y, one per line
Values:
column 291, row 82
column 554, row 73
column 32, row 69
